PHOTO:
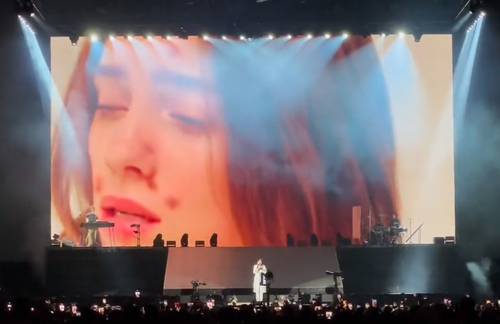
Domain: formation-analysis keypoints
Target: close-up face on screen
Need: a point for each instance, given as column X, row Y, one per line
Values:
column 257, row 140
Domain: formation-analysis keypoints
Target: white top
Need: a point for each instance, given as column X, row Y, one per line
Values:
column 257, row 277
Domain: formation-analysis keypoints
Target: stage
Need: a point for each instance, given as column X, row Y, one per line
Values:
column 228, row 271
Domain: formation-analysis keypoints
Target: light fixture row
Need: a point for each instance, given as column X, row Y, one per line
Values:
column 95, row 37
column 474, row 23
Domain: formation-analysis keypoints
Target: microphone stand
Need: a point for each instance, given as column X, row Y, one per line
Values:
column 414, row 232
column 137, row 233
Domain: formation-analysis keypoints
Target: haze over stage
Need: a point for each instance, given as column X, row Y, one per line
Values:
column 390, row 106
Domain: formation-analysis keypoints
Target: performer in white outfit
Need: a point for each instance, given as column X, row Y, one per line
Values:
column 259, row 280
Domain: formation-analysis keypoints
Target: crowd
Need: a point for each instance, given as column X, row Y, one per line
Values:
column 139, row 310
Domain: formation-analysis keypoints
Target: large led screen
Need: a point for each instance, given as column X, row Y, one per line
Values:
column 262, row 141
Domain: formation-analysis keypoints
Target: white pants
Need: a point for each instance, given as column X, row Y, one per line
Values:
column 259, row 293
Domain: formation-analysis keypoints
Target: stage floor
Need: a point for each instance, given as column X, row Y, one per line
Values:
column 231, row 268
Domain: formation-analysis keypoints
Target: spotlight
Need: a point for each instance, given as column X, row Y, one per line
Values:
column 94, row 38
column 25, row 8
column 383, row 35
column 289, row 36
column 168, row 37
column 184, row 240
column 365, row 34
column 314, row 239
column 483, row 13
column 309, row 36
column 111, row 37
column 149, row 37
column 270, row 36
column 345, row 35
column 205, row 37
column 224, row 37
column 327, row 35
column 73, row 39
column 158, row 241
column 401, row 34
column 475, row 5
column 242, row 37
column 213, row 240
column 130, row 36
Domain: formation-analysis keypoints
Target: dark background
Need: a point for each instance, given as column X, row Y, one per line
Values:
column 24, row 148
column 25, row 134
column 477, row 150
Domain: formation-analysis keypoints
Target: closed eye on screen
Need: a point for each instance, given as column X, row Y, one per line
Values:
column 112, row 107
column 184, row 119
column 188, row 120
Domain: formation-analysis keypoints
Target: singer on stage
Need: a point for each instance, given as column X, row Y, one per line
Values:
column 259, row 280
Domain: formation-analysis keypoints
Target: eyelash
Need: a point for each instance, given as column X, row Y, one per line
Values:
column 189, row 124
column 112, row 107
column 186, row 122
column 110, row 110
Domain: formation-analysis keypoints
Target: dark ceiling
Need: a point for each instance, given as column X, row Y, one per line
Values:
column 251, row 17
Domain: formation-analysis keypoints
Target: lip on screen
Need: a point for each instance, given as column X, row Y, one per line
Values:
column 112, row 206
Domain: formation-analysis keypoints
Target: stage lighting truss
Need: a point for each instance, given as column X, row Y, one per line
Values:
column 25, row 8
column 481, row 15
column 95, row 37
column 475, row 6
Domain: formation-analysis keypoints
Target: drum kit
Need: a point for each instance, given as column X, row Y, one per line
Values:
column 387, row 235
